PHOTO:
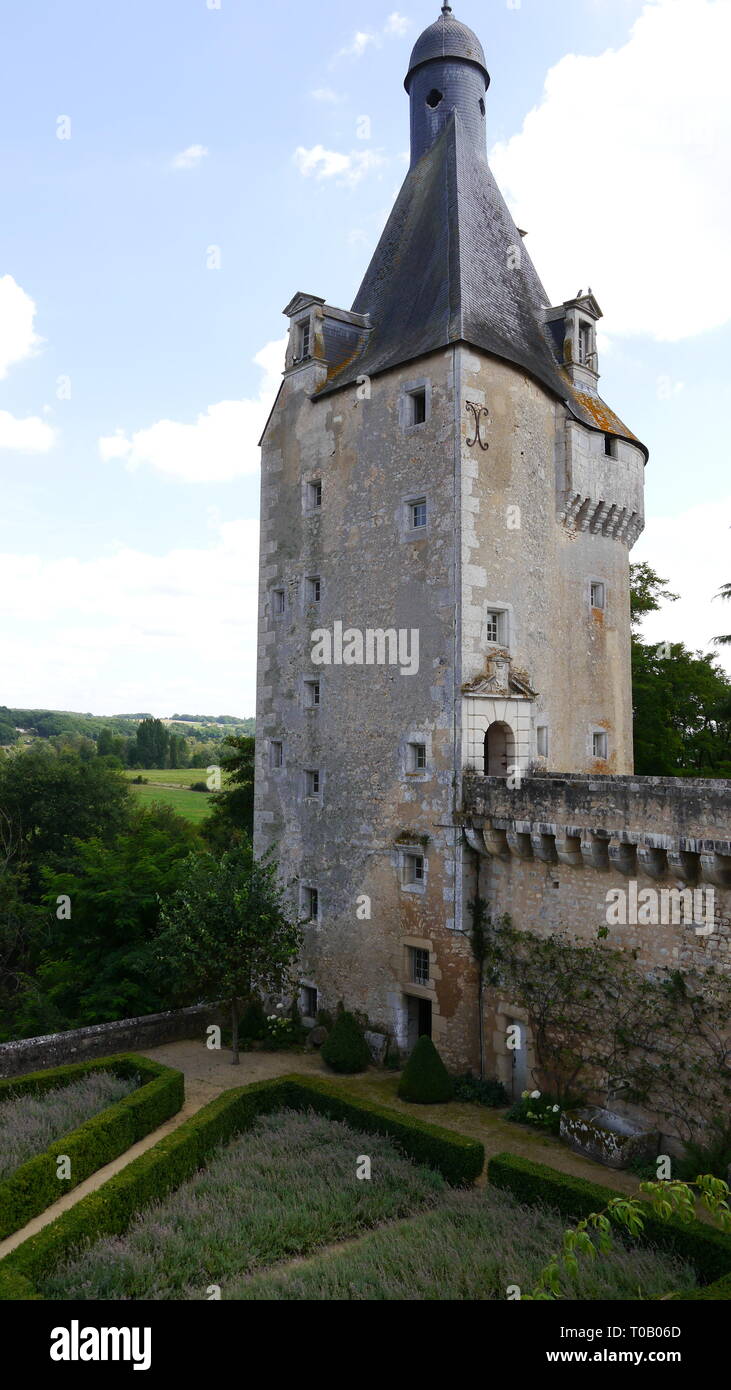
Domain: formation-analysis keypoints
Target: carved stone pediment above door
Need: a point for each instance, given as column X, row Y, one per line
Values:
column 499, row 678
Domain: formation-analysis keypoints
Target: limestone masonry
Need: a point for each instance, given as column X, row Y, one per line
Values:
column 447, row 510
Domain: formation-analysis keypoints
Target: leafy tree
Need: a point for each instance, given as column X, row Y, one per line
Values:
column 682, row 699
column 647, row 592
column 52, row 800
column 724, row 592
column 227, row 933
column 232, row 812
column 152, row 743
column 20, row 928
column 100, row 965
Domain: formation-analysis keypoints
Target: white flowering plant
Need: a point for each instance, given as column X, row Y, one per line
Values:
column 537, row 1108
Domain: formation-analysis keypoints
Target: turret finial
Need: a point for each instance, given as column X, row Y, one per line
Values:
column 446, row 9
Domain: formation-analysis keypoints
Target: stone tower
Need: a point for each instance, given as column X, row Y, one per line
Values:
column 447, row 508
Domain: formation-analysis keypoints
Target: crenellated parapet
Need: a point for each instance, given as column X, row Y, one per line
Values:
column 667, row 829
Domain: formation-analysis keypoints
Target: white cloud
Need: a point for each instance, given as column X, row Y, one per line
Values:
column 132, row 630
column 18, row 339
column 29, row 436
column 326, row 95
column 620, row 174
column 347, row 169
column 357, row 47
column 691, row 551
column 395, row 27
column 397, row 24
column 222, row 443
column 188, row 159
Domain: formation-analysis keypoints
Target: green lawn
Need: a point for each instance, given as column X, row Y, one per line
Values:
column 179, row 776
column 171, row 787
column 193, row 806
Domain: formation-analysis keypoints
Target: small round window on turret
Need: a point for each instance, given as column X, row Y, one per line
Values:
column 434, row 98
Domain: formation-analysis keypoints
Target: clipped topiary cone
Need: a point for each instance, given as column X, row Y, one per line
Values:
column 425, row 1080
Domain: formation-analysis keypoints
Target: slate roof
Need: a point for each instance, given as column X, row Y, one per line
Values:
column 447, row 38
column 442, row 274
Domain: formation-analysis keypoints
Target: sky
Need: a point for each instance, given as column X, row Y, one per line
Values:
column 173, row 171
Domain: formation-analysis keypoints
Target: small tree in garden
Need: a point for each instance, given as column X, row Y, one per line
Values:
column 227, row 933
column 425, row 1080
column 346, row 1049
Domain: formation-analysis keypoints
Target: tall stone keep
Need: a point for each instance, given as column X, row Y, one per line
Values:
column 447, row 509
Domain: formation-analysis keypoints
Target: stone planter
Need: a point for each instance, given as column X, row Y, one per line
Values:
column 608, row 1138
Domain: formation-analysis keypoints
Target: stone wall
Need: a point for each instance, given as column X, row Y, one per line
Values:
column 104, row 1039
column 554, row 852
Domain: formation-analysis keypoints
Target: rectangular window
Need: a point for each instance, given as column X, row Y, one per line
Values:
column 416, row 407
column 304, row 339
column 312, row 782
column 542, row 740
column 597, row 595
column 417, row 757
column 610, row 446
column 308, row 1002
column 494, row 626
column 279, row 602
column 276, row 753
column 419, row 966
column 417, row 512
column 313, row 583
column 414, row 869
column 312, row 694
column 599, row 745
column 314, row 495
column 311, row 904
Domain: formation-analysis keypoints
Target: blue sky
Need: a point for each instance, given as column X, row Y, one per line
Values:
column 214, row 166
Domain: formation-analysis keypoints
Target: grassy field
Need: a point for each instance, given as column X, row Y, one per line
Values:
column 171, row 787
column 280, row 1214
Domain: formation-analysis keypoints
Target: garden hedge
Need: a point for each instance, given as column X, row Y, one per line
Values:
column 35, row 1184
column 707, row 1249
column 110, row 1209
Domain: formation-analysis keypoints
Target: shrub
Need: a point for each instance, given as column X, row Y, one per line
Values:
column 199, row 787
column 542, row 1111
column 488, row 1092
column 324, row 1019
column 426, row 1080
column 29, row 1123
column 346, row 1050
column 35, row 1185
column 253, row 1024
column 162, row 1168
column 708, row 1250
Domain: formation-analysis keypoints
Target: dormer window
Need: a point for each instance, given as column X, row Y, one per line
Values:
column 303, row 339
column 587, row 353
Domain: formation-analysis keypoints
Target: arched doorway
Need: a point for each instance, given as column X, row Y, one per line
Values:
column 499, row 750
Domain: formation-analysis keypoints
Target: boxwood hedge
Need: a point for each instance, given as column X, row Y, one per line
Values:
column 35, row 1184
column 110, row 1209
column 707, row 1249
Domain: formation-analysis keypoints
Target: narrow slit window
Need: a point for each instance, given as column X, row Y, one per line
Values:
column 417, row 407
column 314, row 495
column 279, row 602
column 312, row 782
column 542, row 741
column 276, row 753
column 304, row 340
